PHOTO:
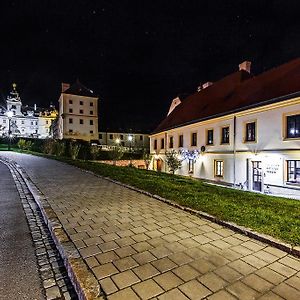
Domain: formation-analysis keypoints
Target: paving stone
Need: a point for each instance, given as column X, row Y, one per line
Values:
column 180, row 258
column 287, row 292
column 146, row 271
column 125, row 251
column 202, row 266
column 106, row 257
column 125, row 263
column 89, row 251
column 168, row 280
column 242, row 267
column 257, row 283
column 148, row 289
column 290, row 262
column 124, row 294
column 164, row 264
column 294, row 282
column 53, row 293
column 105, row 270
column 174, row 294
column 221, row 295
column 161, row 251
column 228, row 274
column 194, row 290
column 212, row 281
column 143, row 257
column 186, row 272
column 125, row 279
column 282, row 269
column 270, row 296
column 242, row 291
column 270, row 275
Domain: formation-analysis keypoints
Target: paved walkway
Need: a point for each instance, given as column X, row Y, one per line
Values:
column 18, row 266
column 141, row 248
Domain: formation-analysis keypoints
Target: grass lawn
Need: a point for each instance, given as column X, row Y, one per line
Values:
column 278, row 217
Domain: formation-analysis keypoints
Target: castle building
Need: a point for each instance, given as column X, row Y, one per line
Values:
column 78, row 113
column 241, row 131
column 26, row 121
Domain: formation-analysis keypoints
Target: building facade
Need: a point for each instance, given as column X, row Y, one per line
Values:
column 78, row 113
column 241, row 131
column 26, row 121
column 135, row 140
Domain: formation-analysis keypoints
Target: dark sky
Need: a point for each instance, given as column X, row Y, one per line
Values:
column 139, row 55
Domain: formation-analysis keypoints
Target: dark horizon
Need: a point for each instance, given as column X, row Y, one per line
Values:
column 139, row 55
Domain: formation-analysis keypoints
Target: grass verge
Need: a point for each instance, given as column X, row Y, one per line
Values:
column 278, row 217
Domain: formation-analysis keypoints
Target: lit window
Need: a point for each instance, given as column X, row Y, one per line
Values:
column 293, row 171
column 210, row 137
column 155, row 144
column 250, row 132
column 91, row 122
column 194, row 139
column 171, row 143
column 219, row 168
column 70, row 121
column 162, row 143
column 180, row 141
column 293, row 126
column 225, row 135
column 80, row 121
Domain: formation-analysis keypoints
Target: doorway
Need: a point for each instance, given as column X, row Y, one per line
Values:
column 256, row 176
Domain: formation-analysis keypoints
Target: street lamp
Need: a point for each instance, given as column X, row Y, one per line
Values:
column 9, row 115
column 130, row 148
column 117, row 141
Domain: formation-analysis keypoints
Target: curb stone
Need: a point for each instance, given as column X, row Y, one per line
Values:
column 83, row 280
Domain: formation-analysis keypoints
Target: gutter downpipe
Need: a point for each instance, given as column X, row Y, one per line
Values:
column 234, row 151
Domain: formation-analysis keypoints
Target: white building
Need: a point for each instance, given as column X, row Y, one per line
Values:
column 78, row 113
column 242, row 130
column 25, row 121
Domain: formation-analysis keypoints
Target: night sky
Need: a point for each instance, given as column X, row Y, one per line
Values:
column 138, row 55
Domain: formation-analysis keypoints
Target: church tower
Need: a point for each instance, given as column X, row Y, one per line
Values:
column 13, row 102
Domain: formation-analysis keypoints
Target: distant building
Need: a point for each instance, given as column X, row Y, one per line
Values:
column 125, row 139
column 26, row 121
column 242, row 130
column 78, row 113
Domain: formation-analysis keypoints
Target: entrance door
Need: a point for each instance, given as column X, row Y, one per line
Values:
column 158, row 165
column 256, row 175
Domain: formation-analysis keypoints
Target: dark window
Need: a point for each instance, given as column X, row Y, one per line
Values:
column 111, row 137
column 171, row 144
column 180, row 143
column 225, row 135
column 121, row 137
column 13, row 107
column 4, row 121
column 293, row 169
column 70, row 110
column 70, row 101
column 81, row 111
column 80, row 121
column 162, row 144
column 80, row 102
column 141, row 137
column 91, row 131
column 219, row 168
column 91, row 104
column 91, row 112
column 155, row 144
column 250, row 132
column 70, row 121
column 70, row 130
column 91, row 122
column 210, row 137
column 100, row 136
column 194, row 139
column 31, row 123
column 293, row 126
column 122, row 144
column 24, row 122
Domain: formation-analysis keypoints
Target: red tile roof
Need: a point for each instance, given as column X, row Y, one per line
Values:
column 235, row 92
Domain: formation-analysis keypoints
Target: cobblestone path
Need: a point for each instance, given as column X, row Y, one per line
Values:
column 141, row 248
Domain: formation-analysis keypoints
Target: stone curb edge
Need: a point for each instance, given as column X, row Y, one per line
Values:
column 267, row 239
column 83, row 280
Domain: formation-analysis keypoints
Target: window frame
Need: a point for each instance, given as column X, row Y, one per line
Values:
column 222, row 128
column 155, row 144
column 296, row 115
column 194, row 139
column 288, row 172
column 216, row 168
column 162, row 143
column 171, row 142
column 207, row 130
column 246, row 131
column 180, row 141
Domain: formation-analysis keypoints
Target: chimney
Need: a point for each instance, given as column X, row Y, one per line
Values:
column 246, row 66
column 206, row 84
column 64, row 86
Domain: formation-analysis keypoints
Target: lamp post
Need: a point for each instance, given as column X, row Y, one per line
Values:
column 9, row 115
column 130, row 148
